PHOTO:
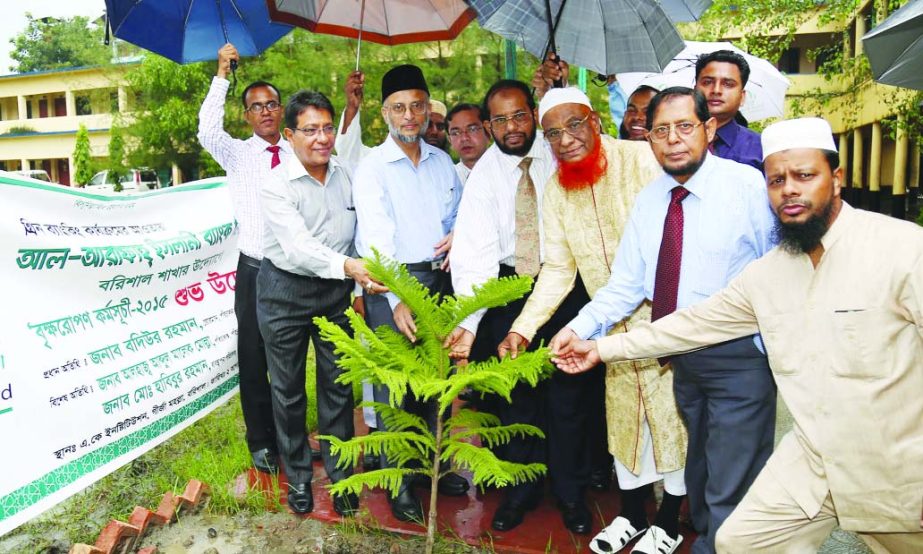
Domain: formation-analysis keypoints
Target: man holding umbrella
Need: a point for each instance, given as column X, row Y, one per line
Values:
column 248, row 164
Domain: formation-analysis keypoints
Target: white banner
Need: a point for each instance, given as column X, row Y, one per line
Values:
column 118, row 330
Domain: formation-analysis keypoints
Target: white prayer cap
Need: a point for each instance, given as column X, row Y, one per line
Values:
column 438, row 107
column 804, row 132
column 557, row 96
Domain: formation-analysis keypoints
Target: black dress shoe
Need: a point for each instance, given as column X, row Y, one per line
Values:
column 370, row 462
column 300, row 498
column 346, row 504
column 600, row 479
column 576, row 516
column 406, row 506
column 450, row 484
column 265, row 460
column 510, row 514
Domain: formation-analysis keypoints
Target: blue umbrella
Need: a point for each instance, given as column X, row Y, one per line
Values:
column 192, row 31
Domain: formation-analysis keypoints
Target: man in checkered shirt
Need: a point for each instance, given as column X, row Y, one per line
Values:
column 247, row 163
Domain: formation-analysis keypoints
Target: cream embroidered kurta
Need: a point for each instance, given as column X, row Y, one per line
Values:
column 582, row 232
column 845, row 344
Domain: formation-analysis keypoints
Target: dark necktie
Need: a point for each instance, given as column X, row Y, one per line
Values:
column 666, row 281
column 275, row 155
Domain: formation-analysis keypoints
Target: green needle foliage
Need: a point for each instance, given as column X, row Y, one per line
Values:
column 423, row 369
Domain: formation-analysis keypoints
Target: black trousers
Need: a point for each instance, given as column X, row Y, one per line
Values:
column 255, row 396
column 727, row 398
column 286, row 306
column 378, row 312
column 569, row 409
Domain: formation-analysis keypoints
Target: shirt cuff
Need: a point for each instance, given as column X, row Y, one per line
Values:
column 221, row 81
column 583, row 326
column 471, row 322
column 337, row 266
column 611, row 348
column 393, row 300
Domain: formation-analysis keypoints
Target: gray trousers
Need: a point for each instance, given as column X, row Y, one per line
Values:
column 727, row 398
column 285, row 305
column 378, row 312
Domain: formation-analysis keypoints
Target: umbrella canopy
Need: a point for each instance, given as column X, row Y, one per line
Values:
column 387, row 22
column 188, row 31
column 765, row 89
column 895, row 48
column 684, row 10
column 606, row 36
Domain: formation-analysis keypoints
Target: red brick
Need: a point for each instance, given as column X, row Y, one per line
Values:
column 84, row 549
column 117, row 537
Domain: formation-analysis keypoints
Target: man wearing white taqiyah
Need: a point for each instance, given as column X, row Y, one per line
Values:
column 840, row 307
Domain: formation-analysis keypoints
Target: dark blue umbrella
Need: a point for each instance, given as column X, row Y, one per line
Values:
column 193, row 30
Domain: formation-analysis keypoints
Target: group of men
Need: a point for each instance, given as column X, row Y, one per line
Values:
column 673, row 216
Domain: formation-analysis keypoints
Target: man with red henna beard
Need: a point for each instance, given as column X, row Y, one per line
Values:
column 586, row 208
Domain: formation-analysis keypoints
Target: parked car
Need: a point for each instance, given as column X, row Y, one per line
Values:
column 134, row 180
column 38, row 174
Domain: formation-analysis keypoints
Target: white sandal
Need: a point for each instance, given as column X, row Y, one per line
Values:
column 656, row 541
column 614, row 537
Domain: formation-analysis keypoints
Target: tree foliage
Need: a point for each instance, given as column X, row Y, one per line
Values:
column 82, row 163
column 424, row 370
column 52, row 43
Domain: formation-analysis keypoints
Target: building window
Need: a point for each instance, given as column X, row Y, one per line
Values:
column 789, row 61
column 83, row 105
column 114, row 101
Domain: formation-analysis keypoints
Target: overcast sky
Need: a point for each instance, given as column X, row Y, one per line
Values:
column 13, row 20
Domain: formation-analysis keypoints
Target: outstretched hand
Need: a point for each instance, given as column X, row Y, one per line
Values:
column 582, row 355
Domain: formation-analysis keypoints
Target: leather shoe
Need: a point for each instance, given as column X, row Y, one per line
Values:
column 346, row 504
column 576, row 516
column 300, row 498
column 510, row 514
column 600, row 479
column 265, row 460
column 450, row 484
column 406, row 506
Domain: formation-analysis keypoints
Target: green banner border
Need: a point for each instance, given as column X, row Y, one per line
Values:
column 203, row 184
column 55, row 480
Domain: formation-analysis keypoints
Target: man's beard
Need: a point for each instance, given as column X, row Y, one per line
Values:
column 688, row 169
column 396, row 132
column 586, row 172
column 517, row 151
column 802, row 238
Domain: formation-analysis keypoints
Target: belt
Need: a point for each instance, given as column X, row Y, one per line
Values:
column 432, row 265
column 247, row 260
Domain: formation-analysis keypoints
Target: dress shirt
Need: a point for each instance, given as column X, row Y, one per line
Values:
column 310, row 225
column 348, row 145
column 485, row 234
column 727, row 224
column 463, row 173
column 404, row 211
column 246, row 162
column 845, row 344
column 736, row 142
column 618, row 103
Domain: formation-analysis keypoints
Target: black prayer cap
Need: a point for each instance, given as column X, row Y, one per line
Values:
column 402, row 77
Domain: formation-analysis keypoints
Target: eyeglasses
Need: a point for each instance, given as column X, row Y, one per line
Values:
column 571, row 128
column 310, row 132
column 472, row 129
column 501, row 120
column 416, row 108
column 258, row 107
column 683, row 128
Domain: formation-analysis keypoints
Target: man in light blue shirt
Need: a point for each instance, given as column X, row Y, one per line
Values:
column 406, row 195
column 690, row 232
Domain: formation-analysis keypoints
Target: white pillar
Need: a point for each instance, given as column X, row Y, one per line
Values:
column 123, row 100
column 70, row 102
column 21, row 105
column 24, row 164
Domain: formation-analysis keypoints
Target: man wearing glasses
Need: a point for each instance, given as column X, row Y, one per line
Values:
column 499, row 233
column 307, row 272
column 247, row 164
column 407, row 194
column 691, row 231
column 468, row 137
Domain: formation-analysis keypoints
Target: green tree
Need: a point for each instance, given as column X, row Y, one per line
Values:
column 116, row 162
column 385, row 357
column 53, row 43
column 82, row 162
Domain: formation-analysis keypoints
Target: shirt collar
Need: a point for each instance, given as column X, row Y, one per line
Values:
column 261, row 144
column 295, row 170
column 392, row 151
column 697, row 185
column 839, row 226
column 728, row 133
column 540, row 150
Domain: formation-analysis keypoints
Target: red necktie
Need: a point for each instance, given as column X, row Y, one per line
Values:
column 666, row 280
column 275, row 155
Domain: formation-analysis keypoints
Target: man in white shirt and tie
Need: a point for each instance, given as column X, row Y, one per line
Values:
column 247, row 164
